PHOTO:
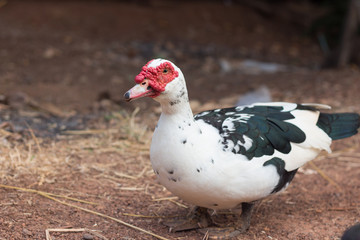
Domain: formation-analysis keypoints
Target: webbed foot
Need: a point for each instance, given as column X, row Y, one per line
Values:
column 220, row 233
column 197, row 218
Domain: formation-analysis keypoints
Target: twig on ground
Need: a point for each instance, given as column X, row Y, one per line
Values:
column 343, row 208
column 326, row 177
column 206, row 236
column 132, row 188
column 165, row 199
column 66, row 230
column 179, row 204
column 146, row 216
column 171, row 199
column 85, row 132
column 124, row 175
column 142, row 172
column 50, row 194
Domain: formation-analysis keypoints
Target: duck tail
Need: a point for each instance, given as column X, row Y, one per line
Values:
column 339, row 125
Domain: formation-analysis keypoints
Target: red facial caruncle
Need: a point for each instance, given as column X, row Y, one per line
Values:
column 158, row 76
column 152, row 81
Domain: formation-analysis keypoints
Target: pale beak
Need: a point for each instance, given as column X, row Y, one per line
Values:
column 139, row 90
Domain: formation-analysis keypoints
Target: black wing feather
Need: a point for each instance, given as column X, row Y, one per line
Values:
column 264, row 125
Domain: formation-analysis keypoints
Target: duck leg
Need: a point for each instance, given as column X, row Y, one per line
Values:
column 230, row 232
column 247, row 209
column 197, row 218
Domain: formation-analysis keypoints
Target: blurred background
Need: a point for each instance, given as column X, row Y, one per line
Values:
column 66, row 57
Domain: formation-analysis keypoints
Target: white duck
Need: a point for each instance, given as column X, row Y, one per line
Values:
column 224, row 158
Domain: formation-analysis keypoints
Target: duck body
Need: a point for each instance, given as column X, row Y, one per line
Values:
column 221, row 158
column 218, row 165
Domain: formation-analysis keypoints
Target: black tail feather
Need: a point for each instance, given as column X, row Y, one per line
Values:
column 339, row 125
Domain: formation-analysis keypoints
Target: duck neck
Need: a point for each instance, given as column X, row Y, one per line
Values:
column 177, row 106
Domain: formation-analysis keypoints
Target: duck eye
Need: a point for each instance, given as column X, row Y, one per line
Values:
column 165, row 71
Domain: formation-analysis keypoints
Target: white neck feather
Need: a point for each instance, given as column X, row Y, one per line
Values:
column 174, row 100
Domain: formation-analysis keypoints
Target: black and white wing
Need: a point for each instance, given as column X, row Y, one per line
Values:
column 256, row 130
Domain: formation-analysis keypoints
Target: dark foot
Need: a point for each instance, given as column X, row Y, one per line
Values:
column 220, row 233
column 197, row 218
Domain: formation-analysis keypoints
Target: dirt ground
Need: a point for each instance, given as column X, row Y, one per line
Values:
column 66, row 133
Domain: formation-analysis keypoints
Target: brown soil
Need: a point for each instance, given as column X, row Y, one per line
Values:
column 65, row 130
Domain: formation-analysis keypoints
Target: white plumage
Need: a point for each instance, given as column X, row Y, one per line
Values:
column 232, row 178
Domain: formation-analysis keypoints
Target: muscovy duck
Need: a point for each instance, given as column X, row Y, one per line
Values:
column 231, row 157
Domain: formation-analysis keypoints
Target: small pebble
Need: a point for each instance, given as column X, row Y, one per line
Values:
column 87, row 236
column 27, row 232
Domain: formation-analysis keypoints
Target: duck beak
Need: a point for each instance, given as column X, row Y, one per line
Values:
column 139, row 90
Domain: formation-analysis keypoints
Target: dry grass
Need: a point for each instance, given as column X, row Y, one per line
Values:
column 38, row 157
